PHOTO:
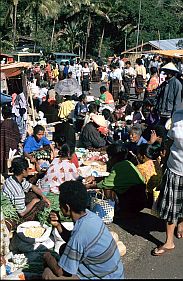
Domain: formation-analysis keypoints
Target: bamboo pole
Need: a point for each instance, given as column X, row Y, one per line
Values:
column 32, row 105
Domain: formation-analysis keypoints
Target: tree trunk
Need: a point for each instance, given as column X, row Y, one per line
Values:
column 52, row 35
column 101, row 41
column 87, row 35
column 14, row 25
column 36, row 25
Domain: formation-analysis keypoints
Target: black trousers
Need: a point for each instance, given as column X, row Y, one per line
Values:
column 85, row 84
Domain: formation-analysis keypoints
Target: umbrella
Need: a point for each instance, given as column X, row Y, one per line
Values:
column 68, row 87
column 4, row 98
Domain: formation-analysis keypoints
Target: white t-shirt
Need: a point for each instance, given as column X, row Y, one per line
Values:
column 78, row 70
column 175, row 160
column 85, row 71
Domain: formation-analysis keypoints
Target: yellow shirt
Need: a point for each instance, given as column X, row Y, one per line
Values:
column 152, row 174
column 66, row 108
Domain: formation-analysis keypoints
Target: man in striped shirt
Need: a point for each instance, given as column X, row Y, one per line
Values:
column 16, row 187
column 90, row 252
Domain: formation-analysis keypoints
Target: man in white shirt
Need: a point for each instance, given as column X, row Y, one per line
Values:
column 115, row 79
column 73, row 69
column 78, row 72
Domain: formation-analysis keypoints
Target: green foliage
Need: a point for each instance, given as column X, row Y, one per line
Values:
column 68, row 25
column 43, row 216
column 8, row 209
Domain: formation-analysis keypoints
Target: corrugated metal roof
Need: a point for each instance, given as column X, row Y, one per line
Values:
column 169, row 44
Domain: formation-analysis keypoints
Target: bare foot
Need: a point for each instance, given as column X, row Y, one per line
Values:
column 180, row 230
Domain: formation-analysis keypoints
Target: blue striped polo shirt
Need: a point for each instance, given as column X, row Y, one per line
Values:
column 91, row 252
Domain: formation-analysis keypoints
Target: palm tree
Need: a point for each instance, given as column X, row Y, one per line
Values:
column 45, row 8
column 15, row 3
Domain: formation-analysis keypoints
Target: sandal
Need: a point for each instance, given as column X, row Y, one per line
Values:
column 162, row 249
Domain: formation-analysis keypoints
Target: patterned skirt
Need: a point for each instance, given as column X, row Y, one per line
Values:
column 170, row 200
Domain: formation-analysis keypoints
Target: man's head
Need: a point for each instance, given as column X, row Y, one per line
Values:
column 135, row 133
column 103, row 89
column 128, row 64
column 19, row 166
column 73, row 198
column 38, row 132
column 6, row 111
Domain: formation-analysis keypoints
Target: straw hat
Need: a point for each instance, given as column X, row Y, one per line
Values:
column 99, row 120
column 170, row 66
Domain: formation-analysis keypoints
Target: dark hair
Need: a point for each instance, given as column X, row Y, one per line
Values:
column 74, row 194
column 107, row 114
column 60, row 140
column 149, row 150
column 136, row 105
column 103, row 89
column 82, row 97
column 160, row 131
column 92, row 107
column 117, row 149
column 38, row 128
column 123, row 96
column 139, row 61
column 19, row 164
column 153, row 70
column 64, row 150
column 128, row 62
column 6, row 111
column 71, row 62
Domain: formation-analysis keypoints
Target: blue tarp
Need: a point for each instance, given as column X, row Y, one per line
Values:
column 5, row 98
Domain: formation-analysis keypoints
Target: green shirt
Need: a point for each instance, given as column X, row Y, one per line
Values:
column 123, row 175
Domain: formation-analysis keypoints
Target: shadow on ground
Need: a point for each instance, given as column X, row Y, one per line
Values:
column 142, row 224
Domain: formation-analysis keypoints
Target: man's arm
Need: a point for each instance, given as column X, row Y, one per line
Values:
column 38, row 191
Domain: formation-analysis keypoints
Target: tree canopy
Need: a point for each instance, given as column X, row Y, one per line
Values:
column 89, row 27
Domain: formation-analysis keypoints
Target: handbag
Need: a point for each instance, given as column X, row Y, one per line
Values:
column 104, row 208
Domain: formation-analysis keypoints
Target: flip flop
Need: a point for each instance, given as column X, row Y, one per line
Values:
column 161, row 248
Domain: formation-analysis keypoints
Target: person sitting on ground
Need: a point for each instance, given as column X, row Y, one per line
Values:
column 92, row 109
column 109, row 119
column 90, row 136
column 105, row 97
column 149, row 112
column 136, row 138
column 65, row 130
column 34, row 144
column 18, row 190
column 123, row 108
column 90, row 250
column 124, row 180
column 150, row 168
column 80, row 112
column 10, row 137
column 60, row 170
column 67, row 107
column 137, row 116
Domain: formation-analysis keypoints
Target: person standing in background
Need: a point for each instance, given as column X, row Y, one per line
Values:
column 169, row 97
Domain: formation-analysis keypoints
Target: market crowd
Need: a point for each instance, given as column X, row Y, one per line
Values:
column 140, row 141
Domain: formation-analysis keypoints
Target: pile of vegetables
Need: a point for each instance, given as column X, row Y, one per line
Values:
column 43, row 216
column 8, row 209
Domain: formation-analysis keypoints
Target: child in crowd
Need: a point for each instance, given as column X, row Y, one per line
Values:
column 137, row 116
